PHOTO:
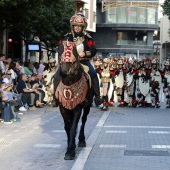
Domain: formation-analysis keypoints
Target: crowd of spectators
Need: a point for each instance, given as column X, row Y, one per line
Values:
column 20, row 88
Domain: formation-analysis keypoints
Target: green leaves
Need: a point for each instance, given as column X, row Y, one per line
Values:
column 47, row 19
column 166, row 8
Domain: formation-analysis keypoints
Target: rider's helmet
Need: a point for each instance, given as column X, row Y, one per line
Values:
column 78, row 19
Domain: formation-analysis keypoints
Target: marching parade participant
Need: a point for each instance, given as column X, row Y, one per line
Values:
column 156, row 81
column 48, row 81
column 143, row 83
column 118, row 79
column 130, row 84
column 105, row 76
column 166, row 80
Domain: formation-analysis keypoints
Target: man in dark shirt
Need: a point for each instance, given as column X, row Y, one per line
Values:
column 27, row 95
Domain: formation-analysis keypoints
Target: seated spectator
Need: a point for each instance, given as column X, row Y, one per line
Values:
column 7, row 79
column 7, row 106
column 27, row 94
column 9, row 86
column 39, row 93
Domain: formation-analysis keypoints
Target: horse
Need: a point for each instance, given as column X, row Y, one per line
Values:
column 73, row 94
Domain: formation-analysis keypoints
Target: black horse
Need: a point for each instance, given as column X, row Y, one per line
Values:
column 73, row 94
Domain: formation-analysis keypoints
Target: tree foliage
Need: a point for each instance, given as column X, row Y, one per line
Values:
column 47, row 19
column 166, row 8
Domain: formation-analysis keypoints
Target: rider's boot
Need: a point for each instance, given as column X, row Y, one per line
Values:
column 95, row 83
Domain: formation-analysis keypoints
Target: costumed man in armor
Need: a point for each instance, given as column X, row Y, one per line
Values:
column 86, row 49
column 166, row 81
column 156, row 80
column 105, row 77
column 48, row 80
column 130, row 87
column 143, row 84
column 118, row 80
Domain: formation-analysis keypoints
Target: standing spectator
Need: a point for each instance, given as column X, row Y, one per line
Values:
column 2, row 62
column 36, row 67
column 41, row 68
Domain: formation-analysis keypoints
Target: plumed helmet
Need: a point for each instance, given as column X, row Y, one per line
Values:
column 52, row 60
column 131, row 62
column 120, row 62
column 107, row 60
column 78, row 19
column 154, row 61
column 166, row 63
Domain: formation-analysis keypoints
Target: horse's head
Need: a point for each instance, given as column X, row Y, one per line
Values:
column 69, row 62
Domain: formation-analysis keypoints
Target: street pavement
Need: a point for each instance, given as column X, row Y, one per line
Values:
column 117, row 139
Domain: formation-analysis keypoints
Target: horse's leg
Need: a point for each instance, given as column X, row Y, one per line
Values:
column 70, row 154
column 67, row 117
column 82, row 142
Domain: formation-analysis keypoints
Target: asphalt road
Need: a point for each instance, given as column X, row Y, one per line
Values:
column 117, row 139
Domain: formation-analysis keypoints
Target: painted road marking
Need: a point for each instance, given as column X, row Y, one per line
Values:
column 161, row 146
column 41, row 145
column 58, row 131
column 84, row 153
column 143, row 127
column 112, row 146
column 158, row 132
column 115, row 131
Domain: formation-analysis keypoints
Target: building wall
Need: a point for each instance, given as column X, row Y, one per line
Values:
column 126, row 21
column 164, row 37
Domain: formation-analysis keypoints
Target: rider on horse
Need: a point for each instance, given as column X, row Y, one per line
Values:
column 86, row 49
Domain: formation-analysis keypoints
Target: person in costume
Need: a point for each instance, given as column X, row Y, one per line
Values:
column 118, row 80
column 156, row 80
column 86, row 49
column 166, row 81
column 130, row 84
column 48, row 81
column 143, row 74
column 105, row 77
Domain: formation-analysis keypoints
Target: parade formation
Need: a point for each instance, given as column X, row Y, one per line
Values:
column 133, row 82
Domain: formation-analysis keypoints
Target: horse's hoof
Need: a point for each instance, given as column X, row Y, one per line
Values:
column 69, row 155
column 82, row 144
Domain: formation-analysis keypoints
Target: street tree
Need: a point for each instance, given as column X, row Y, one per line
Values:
column 46, row 19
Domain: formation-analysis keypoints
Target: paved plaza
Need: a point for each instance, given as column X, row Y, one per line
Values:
column 117, row 139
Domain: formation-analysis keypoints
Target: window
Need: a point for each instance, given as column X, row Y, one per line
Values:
column 111, row 17
column 142, row 15
column 121, row 12
column 131, row 38
column 131, row 13
column 151, row 16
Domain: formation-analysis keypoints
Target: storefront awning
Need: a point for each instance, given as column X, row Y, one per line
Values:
column 113, row 4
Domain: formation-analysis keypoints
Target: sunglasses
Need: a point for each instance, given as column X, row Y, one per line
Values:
column 8, row 74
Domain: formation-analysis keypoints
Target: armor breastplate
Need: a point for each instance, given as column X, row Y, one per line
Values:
column 80, row 45
column 105, row 75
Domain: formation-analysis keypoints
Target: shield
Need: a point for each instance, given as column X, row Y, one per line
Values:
column 119, row 80
column 129, row 79
column 157, row 77
column 143, row 86
column 168, row 79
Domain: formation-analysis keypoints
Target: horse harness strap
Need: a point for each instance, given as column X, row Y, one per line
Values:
column 71, row 96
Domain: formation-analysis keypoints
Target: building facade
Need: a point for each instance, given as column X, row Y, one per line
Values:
column 126, row 28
